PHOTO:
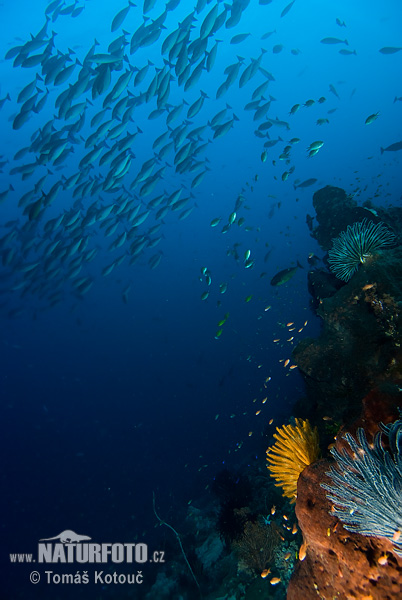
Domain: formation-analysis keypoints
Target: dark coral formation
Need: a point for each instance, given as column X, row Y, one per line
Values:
column 256, row 547
column 360, row 343
column 335, row 210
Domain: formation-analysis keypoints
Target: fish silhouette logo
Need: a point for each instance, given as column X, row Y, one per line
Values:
column 67, row 537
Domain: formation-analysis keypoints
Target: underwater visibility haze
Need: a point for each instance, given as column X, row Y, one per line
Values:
column 199, row 259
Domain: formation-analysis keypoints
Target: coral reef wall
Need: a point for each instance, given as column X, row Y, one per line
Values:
column 353, row 377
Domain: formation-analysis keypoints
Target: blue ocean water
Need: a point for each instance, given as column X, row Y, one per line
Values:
column 133, row 387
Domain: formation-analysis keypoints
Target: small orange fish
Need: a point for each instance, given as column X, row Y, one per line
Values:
column 287, row 555
column 368, row 286
column 383, row 560
column 270, row 422
column 265, row 399
column 293, row 367
column 265, row 573
column 289, row 324
column 327, row 418
column 300, row 330
column 287, row 361
column 277, row 340
column 303, row 551
column 305, row 323
column 294, row 529
column 258, row 412
column 250, row 433
column 291, row 338
column 273, row 510
column 396, row 535
column 292, row 329
column 275, row 580
column 285, row 517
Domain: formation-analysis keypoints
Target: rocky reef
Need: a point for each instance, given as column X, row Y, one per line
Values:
column 353, row 377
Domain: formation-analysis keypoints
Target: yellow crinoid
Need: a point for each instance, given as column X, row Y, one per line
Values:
column 295, row 448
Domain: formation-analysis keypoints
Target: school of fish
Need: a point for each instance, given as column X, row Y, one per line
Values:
column 94, row 95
